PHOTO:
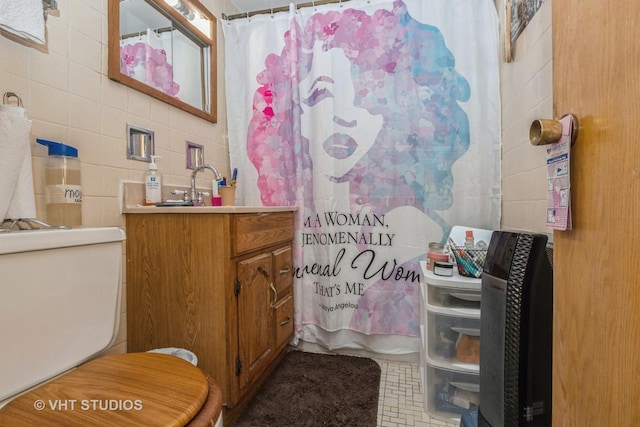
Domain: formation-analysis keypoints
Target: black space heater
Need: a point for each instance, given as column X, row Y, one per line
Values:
column 516, row 333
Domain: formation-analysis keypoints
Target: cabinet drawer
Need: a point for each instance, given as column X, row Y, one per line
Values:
column 283, row 269
column 451, row 393
column 453, row 341
column 284, row 320
column 453, row 297
column 255, row 231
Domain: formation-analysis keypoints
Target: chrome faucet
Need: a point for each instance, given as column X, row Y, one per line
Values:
column 193, row 178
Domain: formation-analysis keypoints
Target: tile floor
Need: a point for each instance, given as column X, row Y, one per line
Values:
column 400, row 402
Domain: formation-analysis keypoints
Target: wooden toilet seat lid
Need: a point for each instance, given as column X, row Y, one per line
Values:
column 125, row 389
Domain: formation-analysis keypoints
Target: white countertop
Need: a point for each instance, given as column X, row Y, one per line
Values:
column 132, row 195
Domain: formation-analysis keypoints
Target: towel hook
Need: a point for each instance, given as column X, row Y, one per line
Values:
column 48, row 5
column 7, row 95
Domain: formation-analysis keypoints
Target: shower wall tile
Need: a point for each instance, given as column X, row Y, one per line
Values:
column 110, row 181
column 86, row 19
column 113, row 153
column 160, row 112
column 48, row 104
column 85, row 114
column 49, row 69
column 526, row 91
column 114, row 123
column 114, row 94
column 58, row 33
column 138, row 105
column 89, row 145
column 91, row 180
column 85, row 51
column 84, row 82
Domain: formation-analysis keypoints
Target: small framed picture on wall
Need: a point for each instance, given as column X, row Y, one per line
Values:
column 519, row 13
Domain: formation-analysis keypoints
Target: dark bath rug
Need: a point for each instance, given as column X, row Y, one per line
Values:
column 310, row 389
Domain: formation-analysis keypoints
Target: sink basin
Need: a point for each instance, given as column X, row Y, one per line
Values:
column 170, row 203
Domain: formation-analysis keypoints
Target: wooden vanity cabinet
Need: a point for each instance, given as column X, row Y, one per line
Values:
column 265, row 320
column 219, row 285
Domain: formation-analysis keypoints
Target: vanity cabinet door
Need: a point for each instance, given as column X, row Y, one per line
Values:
column 265, row 310
column 255, row 320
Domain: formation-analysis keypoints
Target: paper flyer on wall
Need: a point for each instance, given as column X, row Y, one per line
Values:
column 558, row 179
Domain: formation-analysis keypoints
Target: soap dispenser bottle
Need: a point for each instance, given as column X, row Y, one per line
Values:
column 152, row 184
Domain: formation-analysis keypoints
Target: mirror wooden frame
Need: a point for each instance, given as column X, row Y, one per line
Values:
column 114, row 55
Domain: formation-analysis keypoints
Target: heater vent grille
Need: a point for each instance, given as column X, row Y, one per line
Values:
column 513, row 324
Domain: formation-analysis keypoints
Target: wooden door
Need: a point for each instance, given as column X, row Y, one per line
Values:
column 596, row 354
column 255, row 316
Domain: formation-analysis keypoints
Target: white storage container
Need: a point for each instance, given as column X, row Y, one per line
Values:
column 450, row 367
column 450, row 393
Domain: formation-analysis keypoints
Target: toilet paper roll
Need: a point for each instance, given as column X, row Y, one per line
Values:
column 17, row 199
column 182, row 353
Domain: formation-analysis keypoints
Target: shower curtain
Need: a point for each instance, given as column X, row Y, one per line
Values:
column 144, row 57
column 380, row 121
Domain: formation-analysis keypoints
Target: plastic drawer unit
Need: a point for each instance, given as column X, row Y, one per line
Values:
column 450, row 350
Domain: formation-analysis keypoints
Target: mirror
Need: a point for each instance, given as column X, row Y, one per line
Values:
column 166, row 49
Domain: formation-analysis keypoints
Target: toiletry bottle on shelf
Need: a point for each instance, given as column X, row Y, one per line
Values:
column 63, row 189
column 216, row 199
column 152, row 184
column 469, row 241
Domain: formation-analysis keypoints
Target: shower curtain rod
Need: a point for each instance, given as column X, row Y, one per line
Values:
column 279, row 9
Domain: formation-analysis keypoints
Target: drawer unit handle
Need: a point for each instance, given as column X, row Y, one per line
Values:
column 284, row 322
column 275, row 295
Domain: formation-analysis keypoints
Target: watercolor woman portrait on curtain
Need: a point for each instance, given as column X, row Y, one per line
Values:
column 364, row 123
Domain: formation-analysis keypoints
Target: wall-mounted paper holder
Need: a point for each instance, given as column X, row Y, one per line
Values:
column 195, row 155
column 548, row 131
column 140, row 143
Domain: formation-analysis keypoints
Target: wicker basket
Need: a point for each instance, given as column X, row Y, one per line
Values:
column 470, row 261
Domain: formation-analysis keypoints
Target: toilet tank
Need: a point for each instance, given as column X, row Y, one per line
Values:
column 59, row 301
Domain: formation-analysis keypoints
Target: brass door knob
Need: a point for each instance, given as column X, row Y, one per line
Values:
column 548, row 131
column 544, row 131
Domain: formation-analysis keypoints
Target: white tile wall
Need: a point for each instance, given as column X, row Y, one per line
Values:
column 526, row 90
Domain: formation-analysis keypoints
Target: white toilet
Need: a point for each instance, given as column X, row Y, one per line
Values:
column 60, row 293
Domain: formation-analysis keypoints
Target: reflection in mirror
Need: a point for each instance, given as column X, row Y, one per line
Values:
column 164, row 48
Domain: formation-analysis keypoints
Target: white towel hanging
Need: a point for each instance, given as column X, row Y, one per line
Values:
column 23, row 18
column 17, row 199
